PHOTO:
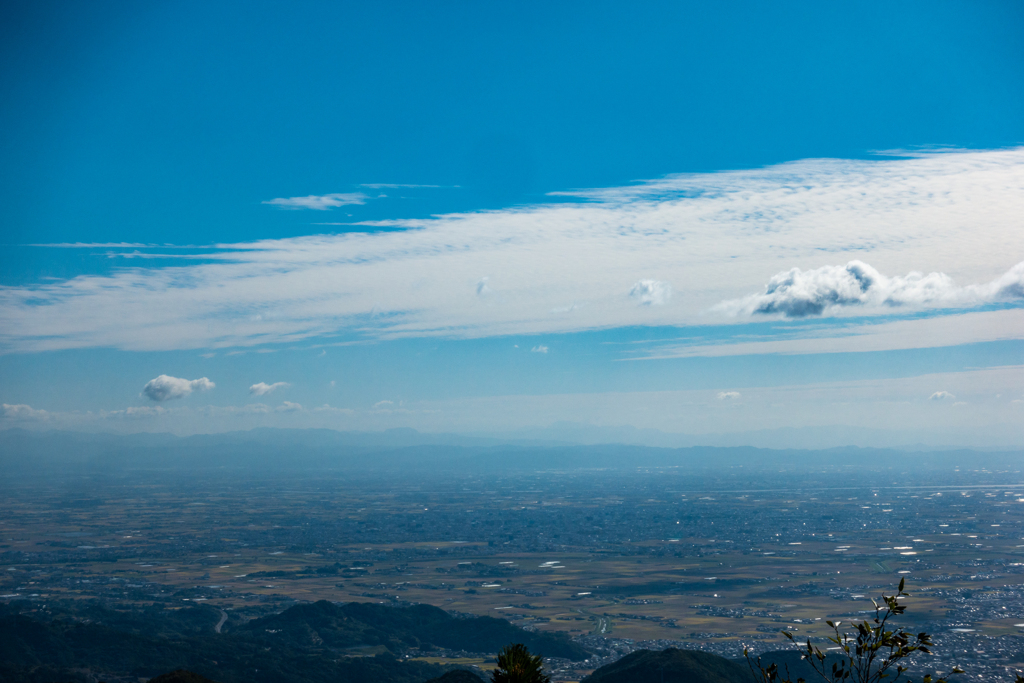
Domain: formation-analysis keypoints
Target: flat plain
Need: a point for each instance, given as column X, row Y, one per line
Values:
column 633, row 557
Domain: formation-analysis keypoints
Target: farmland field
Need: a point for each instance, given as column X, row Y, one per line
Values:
column 629, row 557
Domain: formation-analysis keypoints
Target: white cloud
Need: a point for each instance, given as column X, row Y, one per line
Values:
column 799, row 293
column 481, row 287
column 319, row 202
column 288, row 407
column 716, row 237
column 381, row 405
column 20, row 411
column 540, row 348
column 166, row 388
column 941, row 396
column 262, row 388
column 728, row 395
column 651, row 292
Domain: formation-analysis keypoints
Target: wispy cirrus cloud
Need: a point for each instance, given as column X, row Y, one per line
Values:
column 110, row 245
column 321, row 202
column 716, row 237
column 875, row 334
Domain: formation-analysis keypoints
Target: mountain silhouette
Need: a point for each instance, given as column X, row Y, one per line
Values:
column 671, row 666
column 181, row 676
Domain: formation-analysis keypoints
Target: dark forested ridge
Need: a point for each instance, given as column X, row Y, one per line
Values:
column 358, row 623
column 457, row 676
column 672, row 666
column 180, row 676
column 307, row 643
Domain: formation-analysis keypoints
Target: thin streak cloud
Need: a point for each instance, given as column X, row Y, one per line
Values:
column 398, row 186
column 877, row 335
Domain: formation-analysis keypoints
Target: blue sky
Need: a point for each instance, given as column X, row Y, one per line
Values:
column 490, row 218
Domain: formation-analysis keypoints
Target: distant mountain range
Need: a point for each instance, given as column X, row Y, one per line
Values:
column 579, row 433
column 406, row 450
column 806, row 438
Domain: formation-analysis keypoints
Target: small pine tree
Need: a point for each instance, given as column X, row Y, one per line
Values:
column 869, row 654
column 517, row 665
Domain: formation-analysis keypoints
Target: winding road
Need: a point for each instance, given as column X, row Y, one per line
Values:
column 223, row 618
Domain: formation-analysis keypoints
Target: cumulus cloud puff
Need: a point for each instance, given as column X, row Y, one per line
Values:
column 651, row 292
column 716, row 237
column 799, row 293
column 319, row 202
column 166, row 388
column 262, row 388
column 728, row 395
column 941, row 396
column 540, row 348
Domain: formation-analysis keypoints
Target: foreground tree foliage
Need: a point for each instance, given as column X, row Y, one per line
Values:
column 517, row 665
column 872, row 652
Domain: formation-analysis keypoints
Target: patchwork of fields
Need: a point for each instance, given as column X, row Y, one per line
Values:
column 620, row 558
